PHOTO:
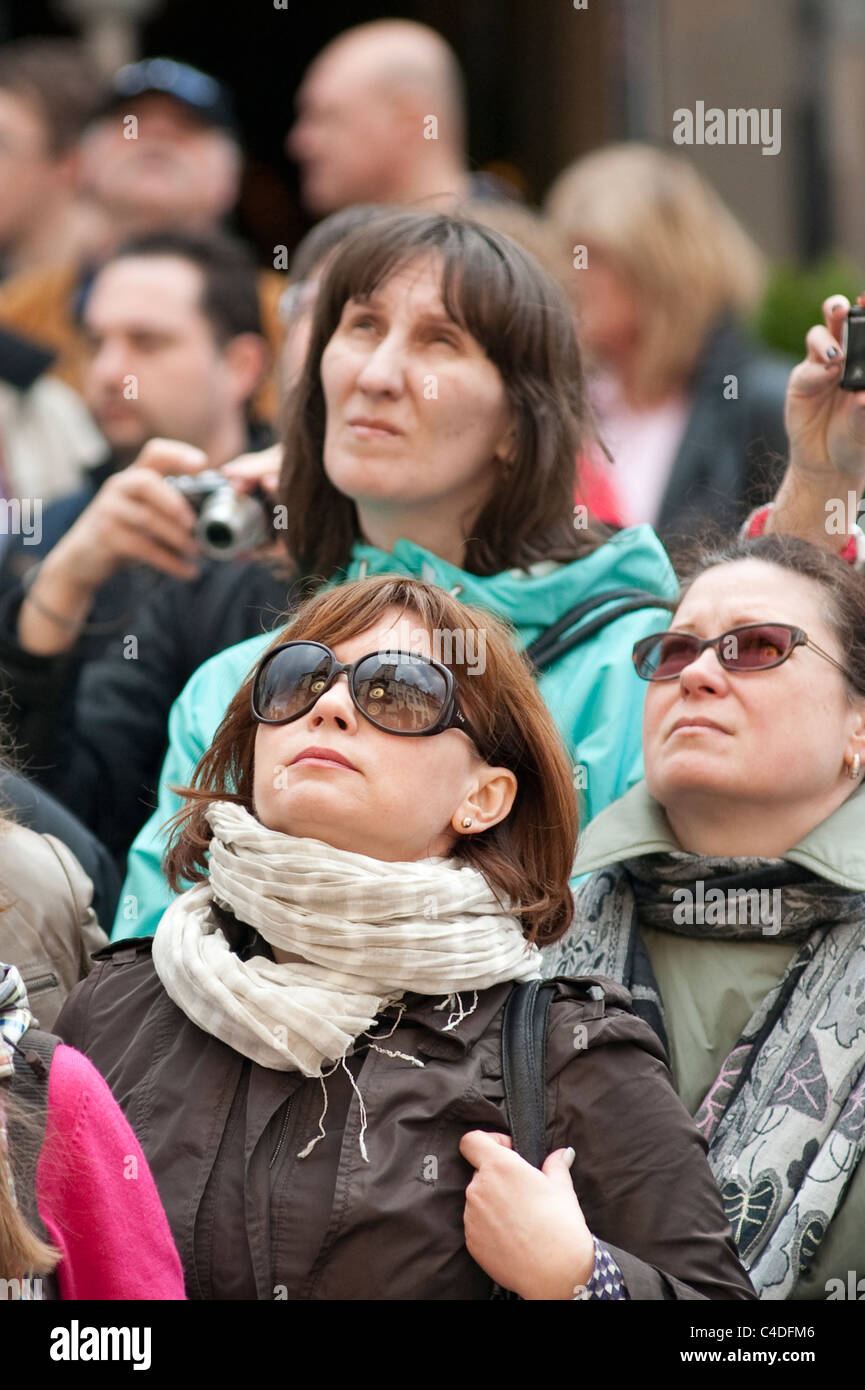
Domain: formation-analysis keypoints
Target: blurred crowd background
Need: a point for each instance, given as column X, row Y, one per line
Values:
column 190, row 436
column 547, row 83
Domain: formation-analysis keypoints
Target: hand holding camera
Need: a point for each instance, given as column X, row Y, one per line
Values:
column 228, row 523
column 826, row 425
column 826, row 429
column 165, row 510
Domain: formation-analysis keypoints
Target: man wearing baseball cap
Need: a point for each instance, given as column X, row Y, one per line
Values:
column 163, row 155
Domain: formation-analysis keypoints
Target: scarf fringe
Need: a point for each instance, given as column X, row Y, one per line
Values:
column 458, row 1011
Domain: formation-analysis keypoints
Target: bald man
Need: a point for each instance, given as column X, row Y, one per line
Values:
column 381, row 119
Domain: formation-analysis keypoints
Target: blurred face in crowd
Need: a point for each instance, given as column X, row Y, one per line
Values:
column 156, row 367
column 608, row 309
column 417, row 415
column 30, row 175
column 718, row 742
column 371, row 806
column 347, row 139
column 162, row 168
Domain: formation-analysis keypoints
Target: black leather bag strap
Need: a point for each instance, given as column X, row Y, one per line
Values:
column 554, row 641
column 524, row 1057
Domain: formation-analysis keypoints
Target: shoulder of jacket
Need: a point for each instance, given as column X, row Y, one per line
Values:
column 635, row 555
column 35, row 1051
column 40, row 867
column 231, row 665
column 125, row 952
column 79, row 883
column 589, row 1011
column 594, row 995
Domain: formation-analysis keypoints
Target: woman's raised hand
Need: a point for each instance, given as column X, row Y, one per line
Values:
column 524, row 1226
column 826, row 429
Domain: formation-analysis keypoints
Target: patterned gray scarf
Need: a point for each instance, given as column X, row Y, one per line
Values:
column 785, row 1117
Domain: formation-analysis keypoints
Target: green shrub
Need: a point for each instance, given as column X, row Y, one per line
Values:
column 793, row 298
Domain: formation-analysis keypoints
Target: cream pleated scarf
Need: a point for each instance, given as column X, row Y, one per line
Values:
column 363, row 932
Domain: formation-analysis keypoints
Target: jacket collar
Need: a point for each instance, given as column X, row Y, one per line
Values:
column 637, row 825
column 531, row 599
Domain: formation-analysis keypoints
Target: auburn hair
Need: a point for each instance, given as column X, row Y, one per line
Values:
column 527, row 857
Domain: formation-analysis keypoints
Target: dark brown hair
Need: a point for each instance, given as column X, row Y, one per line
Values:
column 843, row 590
column 229, row 291
column 521, row 318
column 58, row 77
column 527, row 857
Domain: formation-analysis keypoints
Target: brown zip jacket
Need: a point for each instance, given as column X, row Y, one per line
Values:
column 253, row 1220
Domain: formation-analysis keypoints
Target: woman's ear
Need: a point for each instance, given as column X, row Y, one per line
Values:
column 506, row 448
column 854, row 752
column 489, row 801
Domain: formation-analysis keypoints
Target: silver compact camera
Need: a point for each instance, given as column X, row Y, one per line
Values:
column 229, row 523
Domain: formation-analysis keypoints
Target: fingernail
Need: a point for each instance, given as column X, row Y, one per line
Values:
column 831, row 352
column 570, row 1155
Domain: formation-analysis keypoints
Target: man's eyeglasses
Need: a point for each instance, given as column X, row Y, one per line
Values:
column 752, row 647
column 399, row 692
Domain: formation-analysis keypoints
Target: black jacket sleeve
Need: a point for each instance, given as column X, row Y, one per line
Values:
column 93, row 731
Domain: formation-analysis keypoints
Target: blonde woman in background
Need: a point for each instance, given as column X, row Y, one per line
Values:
column 663, row 278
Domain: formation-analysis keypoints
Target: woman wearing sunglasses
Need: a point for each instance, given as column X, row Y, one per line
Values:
column 312, row 1054
column 727, row 891
column 433, row 434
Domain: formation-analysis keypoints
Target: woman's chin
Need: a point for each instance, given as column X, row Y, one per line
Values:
column 692, row 777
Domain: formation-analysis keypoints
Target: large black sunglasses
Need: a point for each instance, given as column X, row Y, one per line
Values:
column 400, row 692
column 751, row 647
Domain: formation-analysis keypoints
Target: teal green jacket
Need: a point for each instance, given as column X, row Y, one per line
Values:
column 593, row 692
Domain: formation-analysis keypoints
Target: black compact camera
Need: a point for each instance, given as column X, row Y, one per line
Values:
column 229, row 523
column 853, row 378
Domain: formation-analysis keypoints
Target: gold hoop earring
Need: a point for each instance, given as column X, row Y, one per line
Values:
column 853, row 767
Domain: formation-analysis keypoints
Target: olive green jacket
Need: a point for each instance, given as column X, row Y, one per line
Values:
column 711, row 989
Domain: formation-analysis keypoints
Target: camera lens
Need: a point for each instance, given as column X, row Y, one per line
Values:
column 217, row 535
column 231, row 524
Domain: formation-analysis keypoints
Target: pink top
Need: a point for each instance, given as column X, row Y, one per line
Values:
column 644, row 444
column 96, row 1196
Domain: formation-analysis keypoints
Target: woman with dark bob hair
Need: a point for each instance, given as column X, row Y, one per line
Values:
column 728, row 892
column 311, row 1050
column 433, row 434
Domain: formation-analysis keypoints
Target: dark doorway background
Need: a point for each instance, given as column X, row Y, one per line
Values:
column 534, row 71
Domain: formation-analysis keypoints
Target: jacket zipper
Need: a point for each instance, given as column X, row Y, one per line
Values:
column 275, row 1154
column 40, row 982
